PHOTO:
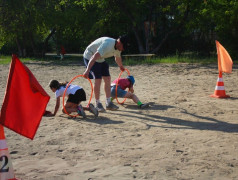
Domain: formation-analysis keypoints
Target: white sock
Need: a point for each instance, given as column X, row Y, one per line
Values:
column 97, row 101
column 108, row 100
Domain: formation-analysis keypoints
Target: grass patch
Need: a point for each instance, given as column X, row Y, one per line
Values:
column 8, row 59
column 5, row 59
column 50, row 59
column 170, row 60
column 126, row 61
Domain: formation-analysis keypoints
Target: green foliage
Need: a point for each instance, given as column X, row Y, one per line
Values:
column 8, row 59
column 169, row 60
column 155, row 26
column 126, row 61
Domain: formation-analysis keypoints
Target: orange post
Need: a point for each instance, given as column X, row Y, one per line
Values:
column 6, row 169
column 220, row 89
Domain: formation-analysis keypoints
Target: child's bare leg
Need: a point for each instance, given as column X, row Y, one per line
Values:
column 86, row 108
column 136, row 100
column 132, row 96
column 69, row 109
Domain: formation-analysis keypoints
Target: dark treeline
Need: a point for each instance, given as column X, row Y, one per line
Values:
column 163, row 27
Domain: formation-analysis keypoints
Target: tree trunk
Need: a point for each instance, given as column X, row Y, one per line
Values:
column 19, row 48
column 139, row 42
column 123, row 8
column 47, row 40
column 33, row 44
column 176, row 29
column 162, row 42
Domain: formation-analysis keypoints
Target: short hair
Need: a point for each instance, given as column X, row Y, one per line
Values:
column 54, row 84
column 124, row 40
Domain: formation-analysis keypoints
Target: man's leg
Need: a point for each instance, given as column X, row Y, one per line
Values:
column 107, row 88
column 107, row 85
column 96, row 74
column 97, row 86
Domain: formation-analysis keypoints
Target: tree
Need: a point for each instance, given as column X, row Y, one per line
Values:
column 33, row 27
column 151, row 21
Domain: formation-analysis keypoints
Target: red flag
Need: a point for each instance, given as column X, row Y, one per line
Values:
column 25, row 101
column 224, row 60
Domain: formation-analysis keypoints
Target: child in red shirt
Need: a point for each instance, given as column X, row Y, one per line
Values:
column 62, row 52
column 124, row 83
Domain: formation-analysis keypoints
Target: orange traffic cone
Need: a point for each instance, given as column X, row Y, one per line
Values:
column 6, row 169
column 220, row 89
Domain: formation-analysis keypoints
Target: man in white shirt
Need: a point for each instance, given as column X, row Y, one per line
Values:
column 98, row 69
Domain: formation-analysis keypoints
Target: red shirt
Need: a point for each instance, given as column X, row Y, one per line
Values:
column 123, row 83
column 63, row 50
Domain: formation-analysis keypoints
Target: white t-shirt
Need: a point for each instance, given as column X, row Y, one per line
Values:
column 70, row 90
column 105, row 46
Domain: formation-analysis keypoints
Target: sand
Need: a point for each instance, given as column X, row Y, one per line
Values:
column 185, row 134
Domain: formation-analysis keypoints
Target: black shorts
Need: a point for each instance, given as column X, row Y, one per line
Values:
column 98, row 70
column 76, row 98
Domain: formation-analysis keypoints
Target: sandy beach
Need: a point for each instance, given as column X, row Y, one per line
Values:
column 185, row 134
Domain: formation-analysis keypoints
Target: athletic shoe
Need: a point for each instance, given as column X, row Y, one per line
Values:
column 81, row 111
column 112, row 107
column 93, row 110
column 100, row 107
column 143, row 106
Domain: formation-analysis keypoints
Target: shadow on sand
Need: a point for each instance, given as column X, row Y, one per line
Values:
column 201, row 123
column 101, row 119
